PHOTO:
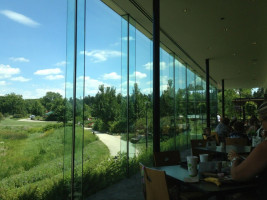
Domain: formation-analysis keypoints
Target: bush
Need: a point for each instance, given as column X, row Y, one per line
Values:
column 1, row 116
column 52, row 126
column 13, row 135
column 118, row 127
column 16, row 116
column 98, row 125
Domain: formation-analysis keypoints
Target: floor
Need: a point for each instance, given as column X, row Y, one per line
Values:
column 127, row 189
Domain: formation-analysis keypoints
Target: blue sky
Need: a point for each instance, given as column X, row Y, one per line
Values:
column 33, row 53
column 33, row 41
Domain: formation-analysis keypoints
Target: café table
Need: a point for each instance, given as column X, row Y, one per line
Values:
column 179, row 173
column 226, row 149
column 223, row 151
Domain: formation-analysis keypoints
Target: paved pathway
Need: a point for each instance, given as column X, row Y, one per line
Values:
column 115, row 144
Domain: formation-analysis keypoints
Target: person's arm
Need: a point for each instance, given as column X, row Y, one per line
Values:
column 255, row 163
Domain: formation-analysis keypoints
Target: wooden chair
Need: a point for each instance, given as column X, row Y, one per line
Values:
column 236, row 141
column 156, row 185
column 166, row 158
column 142, row 170
column 157, row 188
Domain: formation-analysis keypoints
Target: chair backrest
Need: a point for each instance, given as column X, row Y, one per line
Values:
column 156, row 185
column 166, row 158
column 142, row 170
column 215, row 134
column 236, row 141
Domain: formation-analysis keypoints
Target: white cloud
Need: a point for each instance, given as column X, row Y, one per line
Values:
column 112, row 75
column 17, row 17
column 138, row 75
column 101, row 55
column 42, row 92
column 60, row 64
column 147, row 90
column 2, row 83
column 149, row 65
column 54, row 77
column 48, row 71
column 6, row 71
column 20, row 79
column 19, row 59
column 91, row 85
column 125, row 38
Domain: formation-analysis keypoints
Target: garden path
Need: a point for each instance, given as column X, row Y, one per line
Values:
column 115, row 144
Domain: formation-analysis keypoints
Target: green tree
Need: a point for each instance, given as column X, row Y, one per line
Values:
column 13, row 104
column 250, row 108
column 106, row 106
column 259, row 93
column 50, row 99
column 34, row 107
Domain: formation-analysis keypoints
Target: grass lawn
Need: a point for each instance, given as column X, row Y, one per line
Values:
column 29, row 155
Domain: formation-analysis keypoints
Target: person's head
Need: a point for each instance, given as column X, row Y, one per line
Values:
column 262, row 112
column 207, row 131
column 239, row 127
column 225, row 121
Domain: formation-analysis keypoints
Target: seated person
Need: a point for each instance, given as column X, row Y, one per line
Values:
column 239, row 131
column 253, row 125
column 256, row 163
column 223, row 129
column 207, row 134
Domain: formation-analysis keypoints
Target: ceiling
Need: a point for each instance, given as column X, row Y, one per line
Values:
column 231, row 34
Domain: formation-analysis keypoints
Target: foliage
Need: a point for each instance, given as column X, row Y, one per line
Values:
column 1, row 116
column 118, row 127
column 12, row 104
column 250, row 108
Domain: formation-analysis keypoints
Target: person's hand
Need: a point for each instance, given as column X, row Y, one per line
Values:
column 232, row 154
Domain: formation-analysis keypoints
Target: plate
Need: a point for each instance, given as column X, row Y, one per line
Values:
column 191, row 179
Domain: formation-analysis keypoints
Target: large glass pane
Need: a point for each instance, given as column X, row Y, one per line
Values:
column 74, row 93
column 181, row 106
column 167, row 123
column 213, row 106
column 191, row 115
column 103, row 102
column 69, row 95
column 32, row 71
column 200, row 106
column 143, row 97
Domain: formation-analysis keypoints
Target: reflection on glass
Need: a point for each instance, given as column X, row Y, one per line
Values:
column 181, row 105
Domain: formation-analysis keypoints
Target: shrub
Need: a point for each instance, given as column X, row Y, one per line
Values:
column 98, row 124
column 16, row 116
column 1, row 116
column 13, row 135
column 52, row 126
column 118, row 127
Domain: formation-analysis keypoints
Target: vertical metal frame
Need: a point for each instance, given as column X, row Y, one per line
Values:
column 208, row 92
column 223, row 112
column 156, row 76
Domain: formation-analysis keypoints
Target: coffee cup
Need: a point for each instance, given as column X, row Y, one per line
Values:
column 192, row 165
column 203, row 157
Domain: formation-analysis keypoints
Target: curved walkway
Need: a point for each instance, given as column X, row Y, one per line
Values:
column 115, row 144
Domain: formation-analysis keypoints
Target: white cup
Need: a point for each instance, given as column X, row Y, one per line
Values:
column 192, row 165
column 203, row 157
